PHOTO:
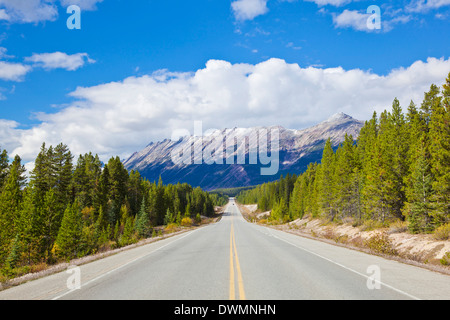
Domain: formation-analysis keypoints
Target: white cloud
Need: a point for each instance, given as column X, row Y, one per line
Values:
column 3, row 54
column 13, row 71
column 249, row 9
column 4, row 15
column 426, row 5
column 60, row 60
column 28, row 11
column 336, row 3
column 35, row 11
column 119, row 118
column 83, row 4
column 351, row 19
column 359, row 21
column 9, row 135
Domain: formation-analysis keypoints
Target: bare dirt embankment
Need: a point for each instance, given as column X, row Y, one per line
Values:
column 392, row 242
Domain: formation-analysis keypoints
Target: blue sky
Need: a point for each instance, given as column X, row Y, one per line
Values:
column 138, row 69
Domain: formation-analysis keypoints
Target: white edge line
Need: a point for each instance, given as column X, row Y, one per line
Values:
column 124, row 265
column 347, row 268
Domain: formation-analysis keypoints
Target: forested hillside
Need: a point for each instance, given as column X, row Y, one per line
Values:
column 398, row 169
column 69, row 210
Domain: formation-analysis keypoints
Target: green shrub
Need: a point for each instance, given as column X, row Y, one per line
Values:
column 380, row 243
column 446, row 259
column 171, row 227
column 442, row 232
column 186, row 222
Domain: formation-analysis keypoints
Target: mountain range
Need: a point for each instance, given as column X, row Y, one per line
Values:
column 183, row 160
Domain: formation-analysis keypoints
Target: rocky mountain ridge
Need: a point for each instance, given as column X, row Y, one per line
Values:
column 294, row 149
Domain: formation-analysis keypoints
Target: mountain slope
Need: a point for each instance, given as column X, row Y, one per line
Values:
column 296, row 149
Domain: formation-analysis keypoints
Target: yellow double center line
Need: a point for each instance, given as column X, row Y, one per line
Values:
column 234, row 256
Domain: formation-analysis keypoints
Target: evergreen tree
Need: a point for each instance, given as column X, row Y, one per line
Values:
column 62, row 166
column 327, row 190
column 118, row 179
column 68, row 240
column 85, row 179
column 142, row 224
column 127, row 236
column 297, row 201
column 344, row 178
column 135, row 191
column 280, row 211
column 439, row 134
column 3, row 167
column 51, row 216
column 26, row 225
column 419, row 206
column 10, row 203
column 102, row 190
column 400, row 162
column 15, row 254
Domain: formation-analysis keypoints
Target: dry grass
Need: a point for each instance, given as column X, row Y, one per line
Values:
column 398, row 227
column 186, row 222
column 442, row 232
column 170, row 228
column 380, row 243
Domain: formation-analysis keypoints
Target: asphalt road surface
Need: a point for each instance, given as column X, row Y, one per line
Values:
column 237, row 260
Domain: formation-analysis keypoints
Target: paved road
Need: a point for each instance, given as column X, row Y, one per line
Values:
column 234, row 259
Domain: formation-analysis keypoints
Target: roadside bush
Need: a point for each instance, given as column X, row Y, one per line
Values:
column 380, row 243
column 171, row 227
column 186, row 222
column 445, row 261
column 443, row 232
column 398, row 227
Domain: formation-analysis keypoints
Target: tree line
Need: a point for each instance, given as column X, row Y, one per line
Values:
column 65, row 210
column 398, row 169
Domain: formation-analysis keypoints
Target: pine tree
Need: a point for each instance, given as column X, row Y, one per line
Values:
column 419, row 206
column 42, row 175
column 312, row 202
column 440, row 153
column 68, row 240
column 400, row 162
column 62, row 171
column 3, row 167
column 15, row 254
column 118, row 179
column 25, row 223
column 10, row 202
column 127, row 236
column 344, row 178
column 280, row 211
column 85, row 179
column 135, row 191
column 371, row 165
column 102, row 190
column 297, row 206
column 142, row 223
column 51, row 216
column 327, row 191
